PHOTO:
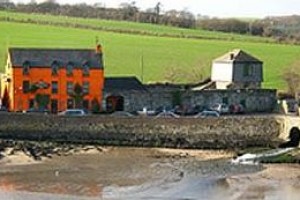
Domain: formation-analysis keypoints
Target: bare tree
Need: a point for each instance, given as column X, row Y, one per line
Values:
column 170, row 75
column 292, row 78
column 197, row 73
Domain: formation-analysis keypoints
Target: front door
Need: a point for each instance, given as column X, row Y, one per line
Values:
column 54, row 106
column 70, row 104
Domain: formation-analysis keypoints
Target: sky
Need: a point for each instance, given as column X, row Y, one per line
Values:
column 212, row 8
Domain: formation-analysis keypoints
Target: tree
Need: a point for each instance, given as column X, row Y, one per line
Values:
column 129, row 11
column 292, row 78
column 42, row 100
column 78, row 95
column 171, row 74
column 196, row 74
column 95, row 106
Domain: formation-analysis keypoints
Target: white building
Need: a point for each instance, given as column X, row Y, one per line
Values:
column 237, row 70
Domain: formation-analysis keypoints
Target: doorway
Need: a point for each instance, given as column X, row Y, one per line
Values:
column 54, row 106
column 114, row 103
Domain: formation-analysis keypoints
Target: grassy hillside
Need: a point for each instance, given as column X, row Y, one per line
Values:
column 129, row 27
column 123, row 52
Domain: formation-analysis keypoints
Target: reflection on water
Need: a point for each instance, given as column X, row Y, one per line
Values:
column 123, row 174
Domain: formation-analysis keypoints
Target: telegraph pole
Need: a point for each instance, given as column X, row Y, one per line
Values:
column 142, row 67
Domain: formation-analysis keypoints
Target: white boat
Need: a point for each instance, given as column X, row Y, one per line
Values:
column 252, row 159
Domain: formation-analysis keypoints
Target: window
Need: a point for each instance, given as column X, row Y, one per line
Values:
column 248, row 70
column 86, row 69
column 54, row 105
column 70, row 88
column 86, row 87
column 26, row 67
column 26, row 86
column 54, row 87
column 70, row 67
column 54, row 68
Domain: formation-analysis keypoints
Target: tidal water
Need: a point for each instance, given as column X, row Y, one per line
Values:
column 123, row 174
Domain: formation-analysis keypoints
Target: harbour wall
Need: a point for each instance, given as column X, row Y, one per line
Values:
column 213, row 133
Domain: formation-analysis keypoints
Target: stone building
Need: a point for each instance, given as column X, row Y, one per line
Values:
column 237, row 70
column 124, row 93
column 129, row 94
column 236, row 80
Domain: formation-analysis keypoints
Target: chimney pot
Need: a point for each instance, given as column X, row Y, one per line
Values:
column 98, row 49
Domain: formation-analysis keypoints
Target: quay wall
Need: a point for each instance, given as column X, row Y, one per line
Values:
column 213, row 133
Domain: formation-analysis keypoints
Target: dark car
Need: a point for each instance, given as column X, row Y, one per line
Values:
column 38, row 110
column 236, row 109
column 3, row 109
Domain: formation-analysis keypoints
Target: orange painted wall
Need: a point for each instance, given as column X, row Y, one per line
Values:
column 20, row 101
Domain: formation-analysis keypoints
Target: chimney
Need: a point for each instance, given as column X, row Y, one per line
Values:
column 98, row 49
column 231, row 56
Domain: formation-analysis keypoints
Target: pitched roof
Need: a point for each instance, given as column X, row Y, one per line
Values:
column 46, row 57
column 237, row 55
column 122, row 83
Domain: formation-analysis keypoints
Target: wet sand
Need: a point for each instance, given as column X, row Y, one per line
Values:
column 276, row 181
column 128, row 173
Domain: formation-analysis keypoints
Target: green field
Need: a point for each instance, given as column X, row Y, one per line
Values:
column 131, row 27
column 123, row 52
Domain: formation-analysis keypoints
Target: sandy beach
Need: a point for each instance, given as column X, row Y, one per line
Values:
column 135, row 173
column 276, row 181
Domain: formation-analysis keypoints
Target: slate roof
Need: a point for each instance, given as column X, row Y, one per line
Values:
column 45, row 57
column 122, row 83
column 237, row 55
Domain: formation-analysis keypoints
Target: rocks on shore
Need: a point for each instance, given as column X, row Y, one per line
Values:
column 37, row 151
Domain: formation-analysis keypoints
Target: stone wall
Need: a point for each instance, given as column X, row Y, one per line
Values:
column 252, row 100
column 213, row 133
column 262, row 100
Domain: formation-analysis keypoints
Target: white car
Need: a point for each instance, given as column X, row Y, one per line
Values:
column 167, row 114
column 207, row 113
column 222, row 108
column 73, row 112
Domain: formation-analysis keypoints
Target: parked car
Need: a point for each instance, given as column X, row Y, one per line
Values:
column 121, row 114
column 167, row 114
column 163, row 109
column 74, row 112
column 3, row 109
column 38, row 110
column 207, row 113
column 221, row 108
column 236, row 109
column 146, row 112
column 188, row 110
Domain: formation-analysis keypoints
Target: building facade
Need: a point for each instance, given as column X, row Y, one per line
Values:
column 54, row 79
column 237, row 70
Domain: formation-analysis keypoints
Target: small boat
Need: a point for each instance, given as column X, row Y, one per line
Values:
column 252, row 159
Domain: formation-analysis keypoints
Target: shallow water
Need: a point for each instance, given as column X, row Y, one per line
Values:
column 122, row 174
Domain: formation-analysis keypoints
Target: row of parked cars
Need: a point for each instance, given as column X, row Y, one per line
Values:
column 214, row 110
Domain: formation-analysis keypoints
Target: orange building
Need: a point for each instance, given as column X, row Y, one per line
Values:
column 54, row 79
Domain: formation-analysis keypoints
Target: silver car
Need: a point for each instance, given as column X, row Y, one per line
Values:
column 73, row 112
column 207, row 113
